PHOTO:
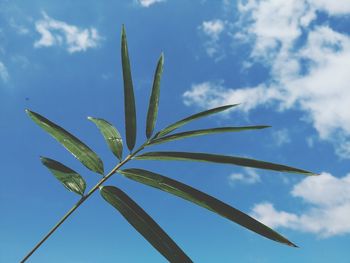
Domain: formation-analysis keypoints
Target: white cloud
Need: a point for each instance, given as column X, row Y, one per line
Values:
column 273, row 23
column 281, row 137
column 343, row 148
column 248, row 177
column 4, row 74
column 308, row 72
column 73, row 38
column 267, row 214
column 148, row 3
column 210, row 94
column 212, row 29
column 340, row 7
column 328, row 207
column 324, row 190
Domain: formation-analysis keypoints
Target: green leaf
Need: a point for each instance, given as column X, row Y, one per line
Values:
column 111, row 136
column 199, row 198
column 154, row 99
column 202, row 114
column 205, row 157
column 80, row 150
column 129, row 99
column 187, row 134
column 144, row 224
column 69, row 178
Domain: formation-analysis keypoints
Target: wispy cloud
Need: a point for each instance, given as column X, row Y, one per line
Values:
column 21, row 29
column 340, row 7
column 343, row 148
column 328, row 207
column 249, row 176
column 148, row 3
column 212, row 29
column 4, row 74
column 72, row 38
column 308, row 64
column 211, row 94
column 281, row 137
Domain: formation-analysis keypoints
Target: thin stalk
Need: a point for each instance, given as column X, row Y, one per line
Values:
column 82, row 200
column 54, row 228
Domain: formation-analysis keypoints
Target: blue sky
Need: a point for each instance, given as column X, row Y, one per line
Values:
column 286, row 62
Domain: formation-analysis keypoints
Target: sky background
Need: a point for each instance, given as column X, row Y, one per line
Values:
column 286, row 62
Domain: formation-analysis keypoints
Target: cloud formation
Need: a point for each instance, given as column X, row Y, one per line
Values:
column 308, row 64
column 212, row 29
column 4, row 74
column 249, row 176
column 19, row 28
column 72, row 38
column 328, row 207
column 340, row 7
column 148, row 3
column 281, row 137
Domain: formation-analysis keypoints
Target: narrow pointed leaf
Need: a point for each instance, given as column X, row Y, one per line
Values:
column 111, row 136
column 187, row 134
column 224, row 159
column 154, row 99
column 206, row 201
column 69, row 178
column 199, row 115
column 144, row 224
column 80, row 150
column 129, row 99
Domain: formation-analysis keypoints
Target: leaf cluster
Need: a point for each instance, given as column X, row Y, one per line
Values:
column 128, row 208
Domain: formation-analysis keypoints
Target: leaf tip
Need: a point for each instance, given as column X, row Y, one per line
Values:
column 44, row 160
column 308, row 173
column 29, row 112
column 101, row 170
column 229, row 106
column 292, row 244
column 313, row 174
column 123, row 30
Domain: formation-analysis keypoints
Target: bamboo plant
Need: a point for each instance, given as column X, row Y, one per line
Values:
column 129, row 209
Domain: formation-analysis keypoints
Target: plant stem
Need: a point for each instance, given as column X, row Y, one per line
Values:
column 54, row 228
column 82, row 200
